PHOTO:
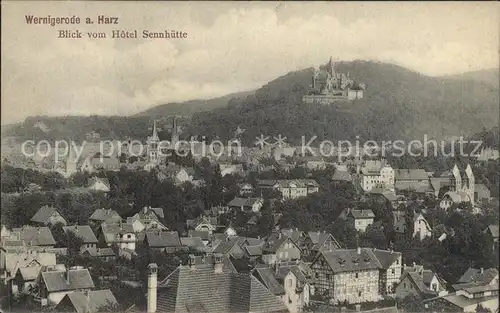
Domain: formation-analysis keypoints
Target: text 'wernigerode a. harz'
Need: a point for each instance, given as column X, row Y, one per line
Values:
column 65, row 28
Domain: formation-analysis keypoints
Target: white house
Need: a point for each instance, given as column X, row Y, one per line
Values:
column 421, row 228
column 377, row 174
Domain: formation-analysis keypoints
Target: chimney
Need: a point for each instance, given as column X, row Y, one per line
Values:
column 359, row 250
column 152, row 286
column 218, row 265
column 192, row 260
column 66, row 274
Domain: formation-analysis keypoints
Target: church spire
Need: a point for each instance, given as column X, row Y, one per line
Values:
column 155, row 133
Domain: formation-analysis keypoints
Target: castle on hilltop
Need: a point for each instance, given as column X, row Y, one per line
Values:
column 329, row 86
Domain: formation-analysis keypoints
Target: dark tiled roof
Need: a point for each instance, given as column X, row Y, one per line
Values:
column 205, row 235
column 386, row 258
column 410, row 174
column 225, row 246
column 342, row 176
column 162, row 239
column 36, row 236
column 92, row 302
column 243, row 202
column 349, row 260
column 77, row 279
column 271, row 246
column 43, row 214
column 362, row 213
column 105, row 215
column 100, row 252
column 82, row 231
column 224, row 292
column 194, row 242
column 266, row 276
column 254, row 250
column 474, row 277
column 319, row 238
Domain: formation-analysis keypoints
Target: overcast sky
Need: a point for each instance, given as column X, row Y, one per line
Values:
column 230, row 47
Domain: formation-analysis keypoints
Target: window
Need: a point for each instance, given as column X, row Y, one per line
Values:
column 327, row 276
column 290, row 282
column 356, row 275
column 404, row 285
column 359, row 293
column 397, row 261
column 393, row 271
column 316, row 275
column 434, row 287
column 289, row 300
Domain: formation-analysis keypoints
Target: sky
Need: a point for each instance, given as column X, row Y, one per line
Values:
column 230, row 47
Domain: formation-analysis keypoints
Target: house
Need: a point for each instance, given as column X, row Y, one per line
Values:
column 12, row 260
column 121, row 234
column 360, row 218
column 281, row 249
column 492, row 233
column 246, row 204
column 147, row 218
column 477, row 277
column 231, row 169
column 266, row 276
column 25, row 279
column 481, row 193
column 167, row 241
column 99, row 184
column 230, row 246
column 420, row 283
column 105, row 215
column 421, row 228
column 467, row 300
column 48, row 216
column 488, row 154
column 449, row 199
column 350, row 276
column 203, row 223
column 195, row 243
column 203, row 235
column 85, row 233
column 376, row 174
column 191, row 288
column 290, row 189
column 246, row 190
column 316, row 241
column 175, row 173
column 411, row 180
column 295, row 234
column 102, row 253
column 56, row 284
column 390, row 270
column 297, row 281
column 93, row 301
column 36, row 236
column 93, row 163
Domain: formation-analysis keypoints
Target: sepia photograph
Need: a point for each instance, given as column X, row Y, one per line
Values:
column 249, row 157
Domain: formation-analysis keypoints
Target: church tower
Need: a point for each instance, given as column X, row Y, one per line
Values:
column 469, row 188
column 175, row 135
column 153, row 146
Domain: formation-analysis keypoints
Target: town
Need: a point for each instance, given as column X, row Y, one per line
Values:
column 265, row 231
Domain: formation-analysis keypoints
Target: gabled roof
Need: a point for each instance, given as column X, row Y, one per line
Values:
column 266, row 276
column 204, row 235
column 100, row 252
column 43, row 214
column 386, row 257
column 76, row 279
column 94, row 180
column 162, row 239
column 410, row 174
column 82, row 231
column 474, row 277
column 454, row 196
column 91, row 302
column 253, row 250
column 225, row 246
column 272, row 245
column 35, row 236
column 224, row 292
column 29, row 273
column 193, row 242
column 344, row 260
column 493, row 229
column 105, row 215
column 360, row 214
column 294, row 234
column 340, row 175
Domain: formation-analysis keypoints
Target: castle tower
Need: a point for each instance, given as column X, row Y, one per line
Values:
column 152, row 287
column 153, row 146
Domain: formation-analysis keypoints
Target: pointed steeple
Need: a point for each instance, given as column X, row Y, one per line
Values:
column 155, row 133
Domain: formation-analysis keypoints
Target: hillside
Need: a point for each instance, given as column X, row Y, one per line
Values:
column 489, row 76
column 188, row 108
column 398, row 104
